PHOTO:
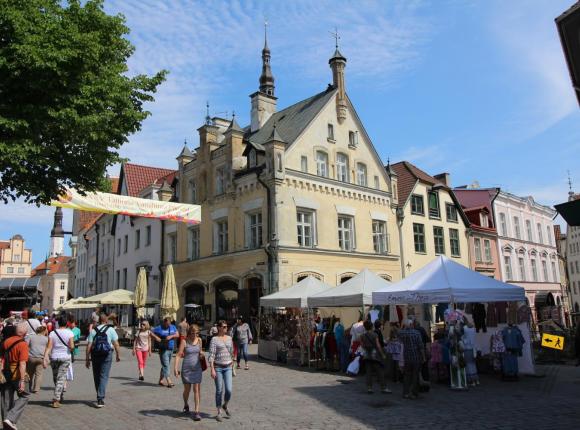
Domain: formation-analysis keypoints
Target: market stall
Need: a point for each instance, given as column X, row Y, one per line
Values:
column 473, row 298
column 286, row 321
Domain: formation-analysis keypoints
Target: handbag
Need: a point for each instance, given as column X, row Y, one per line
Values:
column 203, row 363
column 72, row 355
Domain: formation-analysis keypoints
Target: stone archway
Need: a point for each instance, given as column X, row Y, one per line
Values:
column 194, row 303
column 227, row 304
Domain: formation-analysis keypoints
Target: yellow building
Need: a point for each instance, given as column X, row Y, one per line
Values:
column 431, row 220
column 298, row 192
column 15, row 259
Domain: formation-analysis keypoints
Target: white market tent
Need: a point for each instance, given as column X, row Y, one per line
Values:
column 444, row 281
column 295, row 296
column 356, row 292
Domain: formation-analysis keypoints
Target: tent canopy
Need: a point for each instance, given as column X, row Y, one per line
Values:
column 75, row 304
column 295, row 296
column 357, row 291
column 115, row 297
column 444, row 281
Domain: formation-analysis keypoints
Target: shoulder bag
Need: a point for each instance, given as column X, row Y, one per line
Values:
column 6, row 365
column 72, row 356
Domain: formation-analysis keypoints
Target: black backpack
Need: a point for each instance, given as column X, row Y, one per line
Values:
column 101, row 345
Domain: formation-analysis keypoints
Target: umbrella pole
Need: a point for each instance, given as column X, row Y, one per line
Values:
column 308, row 339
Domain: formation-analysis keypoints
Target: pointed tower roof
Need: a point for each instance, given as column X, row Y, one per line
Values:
column 275, row 137
column 337, row 56
column 234, row 126
column 57, row 230
column 185, row 152
column 266, row 78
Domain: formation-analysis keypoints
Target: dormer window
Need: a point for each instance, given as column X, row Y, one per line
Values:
column 352, row 139
column 342, row 167
column 361, row 174
column 220, row 183
column 330, row 132
column 252, row 158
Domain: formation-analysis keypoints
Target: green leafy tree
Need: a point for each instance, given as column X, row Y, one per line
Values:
column 66, row 102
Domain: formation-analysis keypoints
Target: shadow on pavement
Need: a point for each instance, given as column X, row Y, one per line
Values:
column 47, row 403
column 173, row 413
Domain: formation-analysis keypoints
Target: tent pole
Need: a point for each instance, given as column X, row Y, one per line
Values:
column 308, row 338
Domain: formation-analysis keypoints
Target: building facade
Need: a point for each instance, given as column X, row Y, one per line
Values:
column 54, row 278
column 298, row 192
column 15, row 259
column 477, row 203
column 572, row 257
column 528, row 253
column 431, row 220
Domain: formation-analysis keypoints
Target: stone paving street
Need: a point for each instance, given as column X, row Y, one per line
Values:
column 271, row 396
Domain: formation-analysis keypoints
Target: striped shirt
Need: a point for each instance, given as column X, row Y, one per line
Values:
column 221, row 351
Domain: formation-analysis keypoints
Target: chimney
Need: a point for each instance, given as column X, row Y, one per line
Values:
column 444, row 178
column 337, row 64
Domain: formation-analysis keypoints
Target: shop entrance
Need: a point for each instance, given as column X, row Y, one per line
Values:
column 195, row 304
column 227, row 300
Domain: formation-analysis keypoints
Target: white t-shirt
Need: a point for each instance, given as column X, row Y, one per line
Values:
column 60, row 351
column 31, row 325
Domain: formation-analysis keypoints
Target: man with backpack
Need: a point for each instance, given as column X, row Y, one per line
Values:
column 100, row 344
column 14, row 355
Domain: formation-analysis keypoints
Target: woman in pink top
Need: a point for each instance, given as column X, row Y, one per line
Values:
column 142, row 347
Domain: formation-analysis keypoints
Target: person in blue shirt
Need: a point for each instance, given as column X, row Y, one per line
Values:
column 164, row 335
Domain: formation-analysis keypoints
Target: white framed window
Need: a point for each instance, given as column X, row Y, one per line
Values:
column 254, row 230
column 554, row 272
column 545, row 271
column 507, row 261
column 529, row 230
column 222, row 236
column 483, row 220
column 549, row 235
column 193, row 243
column 517, row 228
column 417, row 207
column 419, row 237
column 137, row 238
column 377, row 184
column 322, row 164
column 380, row 237
column 361, row 174
column 502, row 224
column 540, row 233
column 220, row 181
column 534, row 270
column 522, row 266
column 62, row 285
column 439, row 240
column 451, row 212
column 305, row 228
column 304, row 163
column 433, row 199
column 454, row 242
column 353, row 138
column 16, row 257
column 487, row 250
column 345, row 233
column 342, row 167
column 21, row 270
column 148, row 235
column 477, row 246
column 61, row 300
column 330, row 132
column 10, row 270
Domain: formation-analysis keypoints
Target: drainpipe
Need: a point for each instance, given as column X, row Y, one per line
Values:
column 400, row 218
column 97, row 260
column 270, row 251
column 161, row 263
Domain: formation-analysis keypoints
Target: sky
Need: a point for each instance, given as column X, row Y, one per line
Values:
column 476, row 89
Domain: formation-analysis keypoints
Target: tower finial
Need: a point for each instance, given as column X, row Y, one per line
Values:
column 265, row 33
column 266, row 78
column 207, row 117
column 336, row 36
column 570, row 192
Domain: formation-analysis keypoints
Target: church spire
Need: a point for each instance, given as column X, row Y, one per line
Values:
column 337, row 64
column 266, row 78
column 57, row 235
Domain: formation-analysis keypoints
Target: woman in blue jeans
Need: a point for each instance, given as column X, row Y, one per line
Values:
column 164, row 335
column 221, row 352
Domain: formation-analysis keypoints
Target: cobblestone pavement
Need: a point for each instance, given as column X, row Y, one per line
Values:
column 270, row 396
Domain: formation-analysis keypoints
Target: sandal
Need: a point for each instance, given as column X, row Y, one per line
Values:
column 186, row 409
column 226, row 410
column 170, row 385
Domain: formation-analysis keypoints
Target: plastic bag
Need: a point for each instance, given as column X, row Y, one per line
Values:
column 354, row 366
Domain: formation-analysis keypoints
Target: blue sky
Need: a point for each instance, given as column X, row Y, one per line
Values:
column 477, row 89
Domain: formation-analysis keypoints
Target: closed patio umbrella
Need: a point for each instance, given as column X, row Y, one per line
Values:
column 141, row 293
column 169, row 298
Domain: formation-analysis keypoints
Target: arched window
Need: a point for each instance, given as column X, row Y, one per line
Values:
column 361, row 174
column 192, row 192
column 322, row 164
column 342, row 167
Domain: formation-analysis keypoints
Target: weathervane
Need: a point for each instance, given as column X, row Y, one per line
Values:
column 336, row 36
column 569, row 181
column 265, row 28
column 207, row 117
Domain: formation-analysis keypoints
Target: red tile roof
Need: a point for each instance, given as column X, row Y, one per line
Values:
column 4, row 245
column 408, row 174
column 55, row 265
column 137, row 177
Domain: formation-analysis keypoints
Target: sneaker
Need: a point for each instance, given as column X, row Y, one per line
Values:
column 141, row 378
column 226, row 410
column 100, row 404
column 196, row 417
column 219, row 418
column 186, row 409
column 386, row 391
column 9, row 425
column 55, row 404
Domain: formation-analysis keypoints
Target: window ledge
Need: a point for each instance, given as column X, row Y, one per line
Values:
column 437, row 218
column 456, row 256
column 330, row 140
column 418, row 213
column 351, row 146
column 421, row 252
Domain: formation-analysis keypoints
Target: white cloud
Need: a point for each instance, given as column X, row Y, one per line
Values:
column 528, row 39
column 19, row 212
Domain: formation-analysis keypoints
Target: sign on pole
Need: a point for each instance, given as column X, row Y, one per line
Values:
column 130, row 206
column 552, row 341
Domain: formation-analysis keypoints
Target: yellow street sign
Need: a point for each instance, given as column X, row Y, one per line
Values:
column 552, row 341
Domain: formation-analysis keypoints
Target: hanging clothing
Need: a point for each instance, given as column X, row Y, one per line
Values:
column 509, row 364
column 479, row 317
column 426, row 312
column 501, row 308
column 436, row 353
column 492, row 314
column 512, row 313
column 440, row 312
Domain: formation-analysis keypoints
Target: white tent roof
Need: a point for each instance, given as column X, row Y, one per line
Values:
column 444, row 281
column 357, row 291
column 295, row 296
